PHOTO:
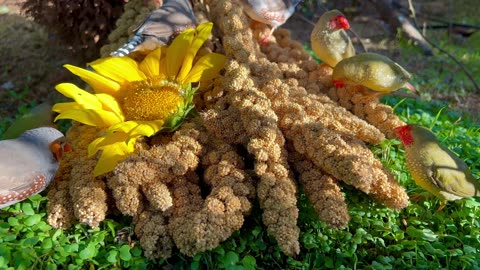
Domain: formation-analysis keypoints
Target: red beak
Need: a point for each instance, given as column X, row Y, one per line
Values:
column 338, row 84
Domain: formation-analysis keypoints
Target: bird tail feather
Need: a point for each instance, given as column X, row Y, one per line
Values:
column 129, row 46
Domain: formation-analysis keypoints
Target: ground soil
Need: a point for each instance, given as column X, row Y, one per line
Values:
column 31, row 62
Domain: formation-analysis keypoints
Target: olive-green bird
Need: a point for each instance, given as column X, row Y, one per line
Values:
column 374, row 71
column 434, row 167
column 329, row 40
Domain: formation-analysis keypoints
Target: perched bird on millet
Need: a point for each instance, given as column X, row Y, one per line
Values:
column 434, row 167
column 374, row 71
column 29, row 163
column 271, row 12
column 329, row 40
column 159, row 29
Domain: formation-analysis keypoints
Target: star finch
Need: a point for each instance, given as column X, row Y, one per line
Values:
column 434, row 167
column 374, row 71
column 329, row 40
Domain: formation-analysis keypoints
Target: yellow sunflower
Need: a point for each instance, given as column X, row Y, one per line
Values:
column 134, row 99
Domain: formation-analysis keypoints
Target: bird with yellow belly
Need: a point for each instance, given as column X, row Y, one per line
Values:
column 434, row 167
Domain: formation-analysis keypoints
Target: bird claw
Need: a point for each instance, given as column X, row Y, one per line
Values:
column 441, row 206
column 417, row 197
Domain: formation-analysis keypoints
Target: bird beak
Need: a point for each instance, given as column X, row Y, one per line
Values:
column 412, row 88
column 66, row 147
column 58, row 148
column 338, row 84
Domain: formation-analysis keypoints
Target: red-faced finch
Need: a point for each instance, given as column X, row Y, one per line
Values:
column 374, row 71
column 29, row 163
column 271, row 12
column 329, row 40
column 159, row 29
column 434, row 167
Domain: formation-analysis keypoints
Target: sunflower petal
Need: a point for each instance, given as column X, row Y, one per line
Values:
column 151, row 64
column 111, row 155
column 98, row 118
column 93, row 146
column 85, row 99
column 124, row 127
column 176, row 52
column 107, row 139
column 206, row 68
column 111, row 104
column 65, row 106
column 163, row 68
column 99, row 83
column 119, row 69
column 203, row 32
column 146, row 128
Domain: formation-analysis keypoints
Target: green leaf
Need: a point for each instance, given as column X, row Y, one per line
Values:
column 195, row 265
column 309, row 241
column 47, row 243
column 88, row 252
column 9, row 237
column 27, row 209
column 111, row 227
column 13, row 221
column 136, row 251
column 30, row 241
column 231, row 258
column 220, row 250
column 56, row 234
column 32, row 220
column 51, row 266
column 125, row 253
column 71, row 247
column 4, row 254
column 424, row 234
column 112, row 256
column 249, row 262
column 3, row 262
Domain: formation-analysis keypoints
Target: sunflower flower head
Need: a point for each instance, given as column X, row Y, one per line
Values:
column 133, row 99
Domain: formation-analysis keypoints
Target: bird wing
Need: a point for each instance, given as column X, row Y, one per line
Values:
column 21, row 187
column 455, row 178
column 170, row 19
column 20, row 181
column 18, row 164
column 349, row 49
